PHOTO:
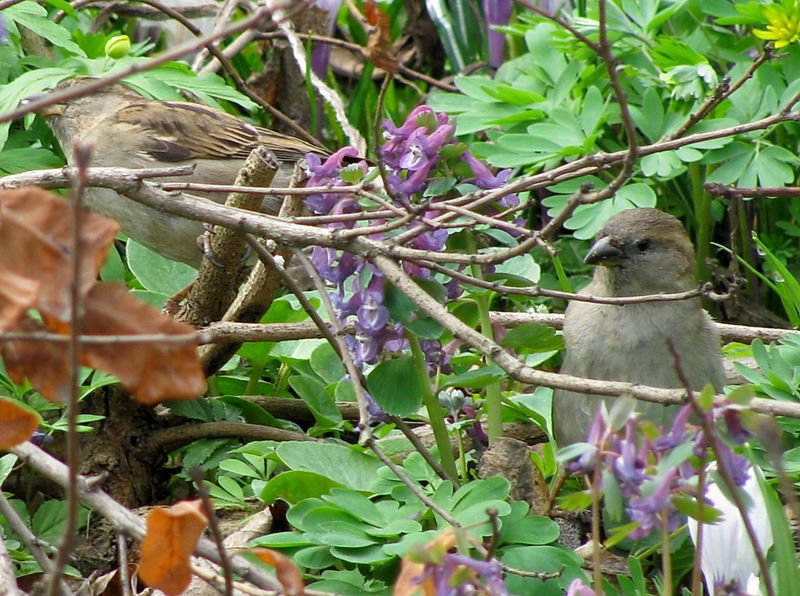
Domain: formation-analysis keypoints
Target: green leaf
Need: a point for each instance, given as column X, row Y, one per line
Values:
column 7, row 463
column 316, row 397
column 787, row 574
column 315, row 557
column 395, row 386
column 357, row 504
column 294, row 486
column 180, row 76
column 532, row 529
column 559, row 561
column 327, row 363
column 477, row 378
column 341, row 464
column 522, row 268
column 156, row 273
column 533, row 337
column 367, row 555
column 35, row 18
column 283, row 540
column 26, row 85
column 51, row 516
column 334, row 527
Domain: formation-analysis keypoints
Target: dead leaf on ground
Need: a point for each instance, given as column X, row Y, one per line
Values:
column 285, row 570
column 171, row 537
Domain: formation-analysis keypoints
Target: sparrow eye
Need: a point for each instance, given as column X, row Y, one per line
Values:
column 643, row 245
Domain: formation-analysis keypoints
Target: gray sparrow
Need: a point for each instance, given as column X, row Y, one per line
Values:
column 637, row 252
column 127, row 130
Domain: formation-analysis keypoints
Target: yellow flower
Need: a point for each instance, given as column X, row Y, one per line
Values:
column 784, row 24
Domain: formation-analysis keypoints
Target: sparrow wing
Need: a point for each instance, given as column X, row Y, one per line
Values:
column 179, row 131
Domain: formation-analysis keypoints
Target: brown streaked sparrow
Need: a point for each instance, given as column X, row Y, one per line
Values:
column 637, row 252
column 127, row 130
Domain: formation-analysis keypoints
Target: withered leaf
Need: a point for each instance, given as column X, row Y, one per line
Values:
column 16, row 423
column 17, row 295
column 43, row 363
column 36, row 242
column 285, row 570
column 152, row 371
column 171, row 537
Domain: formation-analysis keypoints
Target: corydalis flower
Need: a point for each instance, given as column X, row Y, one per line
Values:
column 412, row 150
column 328, row 173
column 784, row 24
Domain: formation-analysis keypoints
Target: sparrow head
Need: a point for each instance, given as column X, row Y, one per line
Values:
column 70, row 117
column 642, row 251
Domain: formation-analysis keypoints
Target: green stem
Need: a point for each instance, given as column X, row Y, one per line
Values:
column 666, row 562
column 255, row 376
column 436, row 413
column 494, row 408
column 561, row 274
column 702, row 215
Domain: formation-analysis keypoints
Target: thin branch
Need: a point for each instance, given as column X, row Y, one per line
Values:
column 725, row 190
column 213, row 522
column 123, row 519
column 723, row 91
column 82, row 156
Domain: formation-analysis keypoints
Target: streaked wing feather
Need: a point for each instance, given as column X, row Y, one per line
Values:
column 182, row 131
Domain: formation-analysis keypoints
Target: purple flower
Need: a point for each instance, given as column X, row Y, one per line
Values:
column 497, row 12
column 372, row 317
column 737, row 465
column 578, row 588
column 484, row 179
column 733, row 421
column 597, row 437
column 327, row 174
column 677, row 431
column 331, row 265
column 447, row 582
column 434, row 240
column 629, row 466
column 365, row 349
column 646, row 510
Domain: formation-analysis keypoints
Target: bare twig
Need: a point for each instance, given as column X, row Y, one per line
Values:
column 82, row 156
column 125, row 520
column 213, row 522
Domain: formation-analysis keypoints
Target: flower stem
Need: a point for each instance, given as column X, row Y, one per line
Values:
column 494, row 410
column 666, row 562
column 436, row 413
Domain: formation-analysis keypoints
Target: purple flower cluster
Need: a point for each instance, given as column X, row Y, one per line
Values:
column 449, row 579
column 647, row 483
column 416, row 154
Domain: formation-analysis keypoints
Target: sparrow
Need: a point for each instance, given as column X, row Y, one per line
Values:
column 127, row 130
column 637, row 252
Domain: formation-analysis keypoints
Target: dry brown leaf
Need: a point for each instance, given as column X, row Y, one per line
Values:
column 285, row 570
column 36, row 242
column 379, row 45
column 152, row 371
column 43, row 363
column 407, row 582
column 16, row 423
column 171, row 537
column 17, row 295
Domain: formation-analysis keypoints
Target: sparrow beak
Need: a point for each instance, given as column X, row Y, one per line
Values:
column 52, row 110
column 603, row 252
column 56, row 109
